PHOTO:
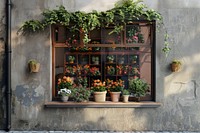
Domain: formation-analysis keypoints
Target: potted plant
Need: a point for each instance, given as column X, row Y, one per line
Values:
column 138, row 87
column 95, row 60
column 34, row 66
column 110, row 58
column 99, row 90
column 125, row 95
column 110, row 70
column 119, row 69
column 175, row 65
column 65, row 93
column 94, row 71
column 64, row 86
column 133, row 59
column 115, row 88
column 80, row 94
column 71, row 59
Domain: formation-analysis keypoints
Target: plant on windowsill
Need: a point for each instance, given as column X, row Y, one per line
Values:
column 99, row 90
column 115, row 88
column 71, row 59
column 138, row 88
column 125, row 95
column 176, row 65
column 64, row 87
column 80, row 94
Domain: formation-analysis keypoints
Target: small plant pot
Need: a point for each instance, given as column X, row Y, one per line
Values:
column 115, row 96
column 175, row 67
column 64, row 98
column 110, row 61
column 34, row 67
column 100, row 96
column 125, row 98
column 71, row 62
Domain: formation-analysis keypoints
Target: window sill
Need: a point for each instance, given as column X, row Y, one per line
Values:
column 107, row 104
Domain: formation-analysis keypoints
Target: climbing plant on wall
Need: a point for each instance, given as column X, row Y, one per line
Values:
column 124, row 12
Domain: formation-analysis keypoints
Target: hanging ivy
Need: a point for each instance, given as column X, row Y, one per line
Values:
column 125, row 11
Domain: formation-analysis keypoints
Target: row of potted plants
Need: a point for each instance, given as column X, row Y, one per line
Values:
column 79, row 92
column 110, row 59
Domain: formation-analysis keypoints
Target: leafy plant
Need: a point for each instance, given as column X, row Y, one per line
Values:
column 80, row 94
column 138, row 87
column 124, row 12
column 110, row 57
column 125, row 92
column 71, row 58
column 64, row 92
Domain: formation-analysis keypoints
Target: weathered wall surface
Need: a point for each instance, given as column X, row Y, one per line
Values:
column 2, row 62
column 178, row 92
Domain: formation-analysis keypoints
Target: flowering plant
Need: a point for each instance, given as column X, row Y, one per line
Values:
column 65, row 82
column 119, row 69
column 80, row 93
column 94, row 71
column 110, row 70
column 98, row 86
column 115, row 86
column 110, row 58
column 85, row 69
column 70, row 70
column 64, row 92
column 133, row 70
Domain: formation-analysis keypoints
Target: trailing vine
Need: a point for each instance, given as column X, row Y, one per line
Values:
column 124, row 12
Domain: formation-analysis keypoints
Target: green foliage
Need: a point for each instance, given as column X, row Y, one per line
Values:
column 138, row 87
column 176, row 62
column 80, row 94
column 124, row 12
column 125, row 92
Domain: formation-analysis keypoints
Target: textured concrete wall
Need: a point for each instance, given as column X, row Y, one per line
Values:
column 178, row 92
column 2, row 62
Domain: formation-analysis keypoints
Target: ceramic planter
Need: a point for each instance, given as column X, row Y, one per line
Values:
column 100, row 96
column 65, row 98
column 125, row 98
column 115, row 96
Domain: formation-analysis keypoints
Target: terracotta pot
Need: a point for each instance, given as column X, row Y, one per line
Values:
column 34, row 67
column 115, row 96
column 175, row 67
column 65, row 98
column 125, row 98
column 100, row 96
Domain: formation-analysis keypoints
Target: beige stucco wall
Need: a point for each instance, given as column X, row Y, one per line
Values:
column 178, row 92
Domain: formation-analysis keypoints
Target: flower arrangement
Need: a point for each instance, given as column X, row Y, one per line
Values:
column 65, row 82
column 64, row 92
column 125, row 69
column 134, row 35
column 119, row 69
column 115, row 86
column 94, row 71
column 85, row 69
column 110, row 70
column 98, row 86
column 110, row 58
column 133, row 70
column 71, row 70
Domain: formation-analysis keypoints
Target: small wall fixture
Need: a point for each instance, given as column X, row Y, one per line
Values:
column 33, row 66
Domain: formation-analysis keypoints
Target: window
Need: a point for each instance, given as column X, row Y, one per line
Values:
column 114, row 56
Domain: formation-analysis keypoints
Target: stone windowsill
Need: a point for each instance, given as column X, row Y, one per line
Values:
column 107, row 104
